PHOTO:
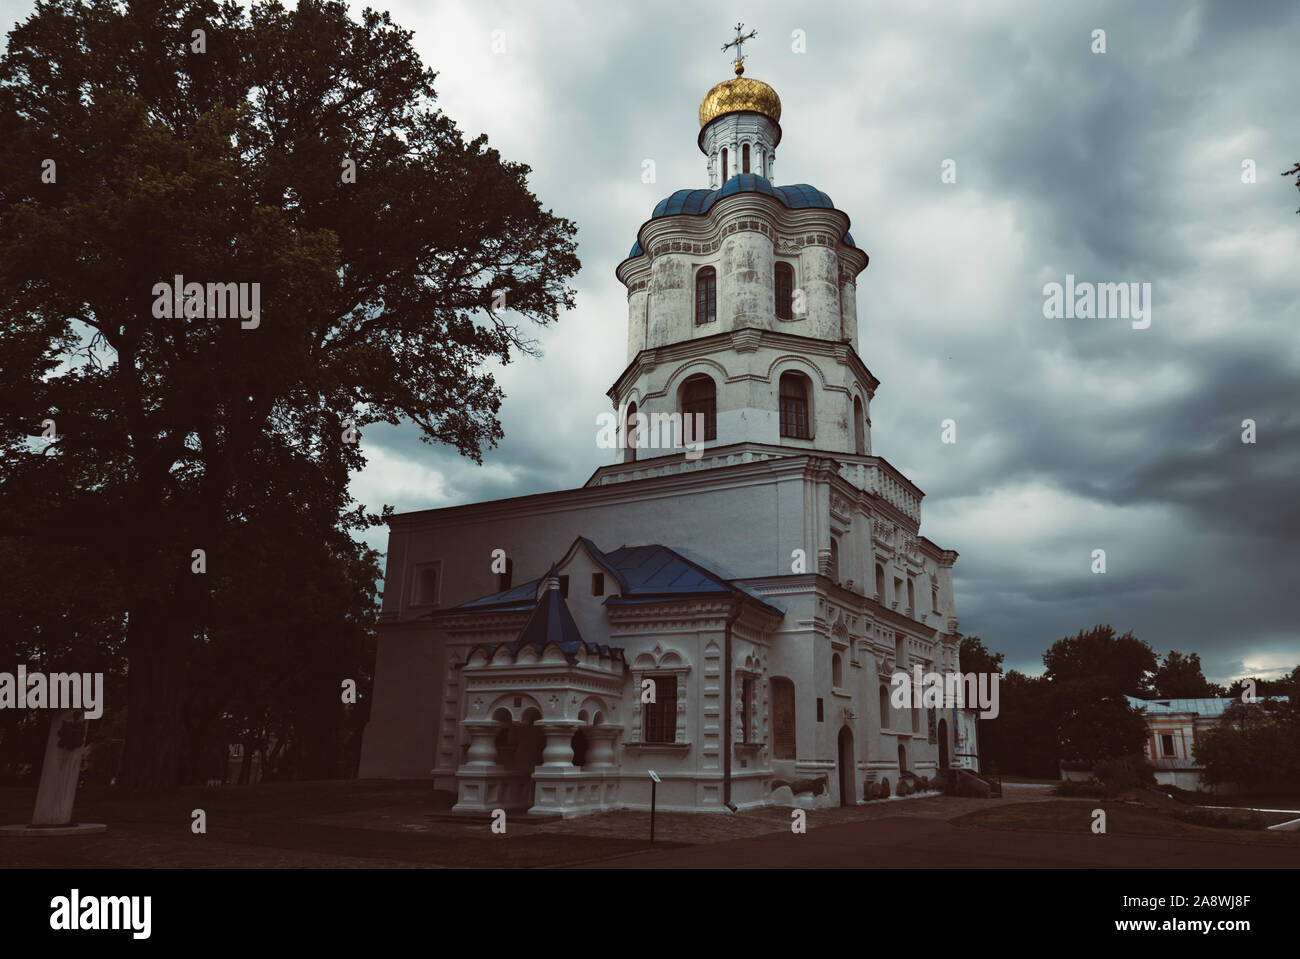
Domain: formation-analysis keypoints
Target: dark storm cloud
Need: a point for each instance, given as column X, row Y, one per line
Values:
column 1073, row 435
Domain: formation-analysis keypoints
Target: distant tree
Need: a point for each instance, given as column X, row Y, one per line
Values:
column 299, row 150
column 1263, row 687
column 1093, row 723
column 1115, row 665
column 1255, row 744
column 1022, row 738
column 1180, row 677
column 974, row 657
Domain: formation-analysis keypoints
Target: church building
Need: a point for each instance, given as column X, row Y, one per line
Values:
column 728, row 617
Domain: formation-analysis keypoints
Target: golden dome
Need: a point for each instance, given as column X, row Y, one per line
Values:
column 738, row 95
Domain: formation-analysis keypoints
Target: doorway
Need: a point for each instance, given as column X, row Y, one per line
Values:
column 848, row 795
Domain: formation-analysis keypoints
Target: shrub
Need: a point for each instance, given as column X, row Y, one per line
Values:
column 1221, row 819
column 1125, row 774
column 1093, row 789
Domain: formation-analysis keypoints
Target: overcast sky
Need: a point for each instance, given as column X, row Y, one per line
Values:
column 1072, row 434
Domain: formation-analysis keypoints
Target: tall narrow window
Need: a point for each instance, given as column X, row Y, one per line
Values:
column 834, row 571
column 659, row 720
column 564, row 586
column 911, row 595
column 744, row 159
column 706, row 296
column 506, row 578
column 794, row 406
column 747, row 709
column 884, row 707
column 629, row 451
column 426, row 584
column 859, row 428
column 837, row 670
column 880, row 584
column 699, row 403
column 597, row 584
column 783, row 286
column 782, row 718
column 724, row 164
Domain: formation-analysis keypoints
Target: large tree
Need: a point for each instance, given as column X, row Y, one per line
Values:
column 1180, row 677
column 216, row 143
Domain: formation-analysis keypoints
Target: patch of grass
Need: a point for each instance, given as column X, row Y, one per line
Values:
column 1127, row 819
column 1221, row 818
column 285, row 816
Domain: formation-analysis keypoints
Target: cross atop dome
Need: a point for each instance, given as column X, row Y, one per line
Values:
column 740, row 57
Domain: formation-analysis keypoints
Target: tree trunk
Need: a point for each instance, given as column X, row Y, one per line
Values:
column 157, row 687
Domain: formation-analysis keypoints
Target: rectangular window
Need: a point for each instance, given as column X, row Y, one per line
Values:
column 597, row 584
column 564, row 586
column 1167, row 745
column 425, row 587
column 934, row 598
column 794, row 417
column 821, row 712
column 784, row 290
column 782, row 718
column 659, row 721
column 706, row 296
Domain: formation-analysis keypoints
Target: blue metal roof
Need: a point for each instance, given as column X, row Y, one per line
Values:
column 796, row 196
column 1201, row 707
column 643, row 573
column 523, row 596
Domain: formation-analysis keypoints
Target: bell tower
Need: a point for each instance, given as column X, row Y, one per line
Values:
column 742, row 298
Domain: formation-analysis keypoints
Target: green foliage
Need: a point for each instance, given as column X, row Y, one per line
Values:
column 377, row 305
column 1180, row 677
column 974, row 657
column 1022, row 738
column 1112, row 665
column 1257, row 745
column 1221, row 818
column 1126, row 773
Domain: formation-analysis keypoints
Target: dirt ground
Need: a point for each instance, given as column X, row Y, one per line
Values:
column 404, row 825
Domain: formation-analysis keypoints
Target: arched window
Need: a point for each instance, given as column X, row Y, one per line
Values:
column 783, row 287
column 629, row 453
column 880, row 583
column 884, row 706
column 794, row 406
column 859, row 428
column 744, row 159
column 837, row 670
column 698, row 399
column 834, row 571
column 724, row 164
column 706, row 296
